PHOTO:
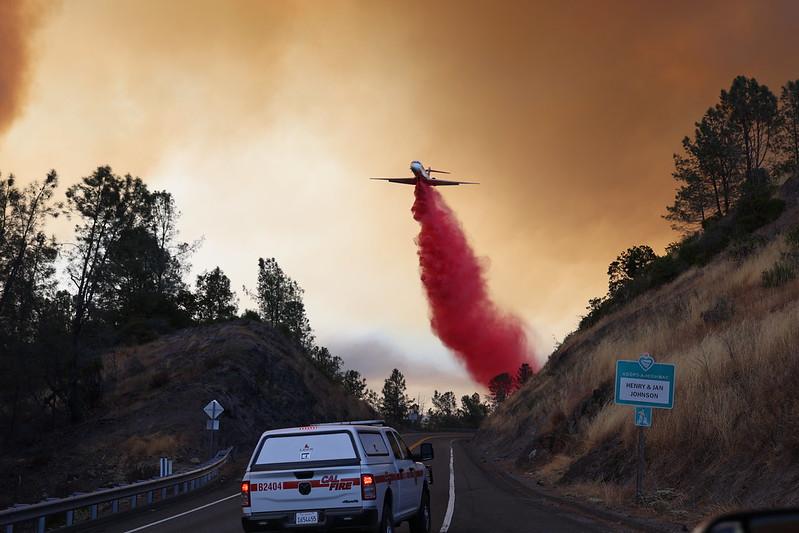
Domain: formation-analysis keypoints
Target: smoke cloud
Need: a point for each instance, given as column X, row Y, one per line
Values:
column 487, row 340
column 18, row 20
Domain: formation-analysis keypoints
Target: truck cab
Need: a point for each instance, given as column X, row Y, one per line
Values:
column 342, row 476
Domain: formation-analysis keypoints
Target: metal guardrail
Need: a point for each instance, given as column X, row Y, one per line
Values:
column 66, row 508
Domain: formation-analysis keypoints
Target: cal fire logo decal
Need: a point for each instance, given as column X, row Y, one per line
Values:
column 335, row 484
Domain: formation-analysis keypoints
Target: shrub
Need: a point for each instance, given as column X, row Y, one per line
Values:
column 699, row 249
column 744, row 247
column 664, row 269
column 720, row 312
column 781, row 273
column 249, row 314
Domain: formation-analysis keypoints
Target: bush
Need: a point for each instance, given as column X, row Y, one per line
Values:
column 786, row 268
column 249, row 314
column 742, row 248
column 721, row 311
column 757, row 214
column 664, row 269
column 699, row 249
column 757, row 206
column 781, row 273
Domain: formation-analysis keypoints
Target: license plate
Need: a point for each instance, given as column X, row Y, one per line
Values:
column 307, row 518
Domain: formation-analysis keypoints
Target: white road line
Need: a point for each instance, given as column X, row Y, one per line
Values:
column 451, row 502
column 184, row 513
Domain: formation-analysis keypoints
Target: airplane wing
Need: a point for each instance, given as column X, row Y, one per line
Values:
column 438, row 182
column 406, row 181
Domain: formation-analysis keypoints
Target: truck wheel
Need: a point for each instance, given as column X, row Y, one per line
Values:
column 248, row 528
column 420, row 523
column 387, row 522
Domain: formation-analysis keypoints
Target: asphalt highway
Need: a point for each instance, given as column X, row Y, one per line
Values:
column 470, row 497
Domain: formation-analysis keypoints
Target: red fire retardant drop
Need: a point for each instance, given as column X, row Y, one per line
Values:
column 463, row 316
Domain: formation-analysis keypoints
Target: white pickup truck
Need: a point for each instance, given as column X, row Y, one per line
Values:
column 330, row 477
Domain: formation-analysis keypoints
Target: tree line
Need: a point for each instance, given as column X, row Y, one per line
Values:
column 121, row 279
column 396, row 407
column 726, row 175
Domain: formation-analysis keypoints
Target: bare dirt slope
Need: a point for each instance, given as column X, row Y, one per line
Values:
column 732, row 439
column 153, row 408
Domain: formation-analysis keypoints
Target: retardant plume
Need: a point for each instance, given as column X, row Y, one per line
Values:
column 487, row 340
column 18, row 19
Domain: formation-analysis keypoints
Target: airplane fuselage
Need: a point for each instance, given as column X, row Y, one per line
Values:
column 419, row 172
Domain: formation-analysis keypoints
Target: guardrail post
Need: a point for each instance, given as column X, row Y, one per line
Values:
column 185, row 486
column 115, row 506
column 163, row 493
column 149, row 497
column 93, row 511
column 70, row 517
column 40, row 524
column 10, row 528
column 133, row 501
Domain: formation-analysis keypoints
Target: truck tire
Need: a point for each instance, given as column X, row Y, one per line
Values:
column 420, row 523
column 387, row 521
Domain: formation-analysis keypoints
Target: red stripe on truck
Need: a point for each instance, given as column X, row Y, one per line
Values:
column 388, row 477
column 294, row 485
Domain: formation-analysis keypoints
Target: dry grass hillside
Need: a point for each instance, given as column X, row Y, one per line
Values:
column 153, row 408
column 732, row 438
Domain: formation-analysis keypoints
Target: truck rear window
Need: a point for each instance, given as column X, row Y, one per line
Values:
column 311, row 450
column 373, row 443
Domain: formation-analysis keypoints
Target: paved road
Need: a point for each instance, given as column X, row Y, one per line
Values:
column 484, row 501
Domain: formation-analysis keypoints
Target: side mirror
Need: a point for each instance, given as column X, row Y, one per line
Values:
column 426, row 452
column 772, row 521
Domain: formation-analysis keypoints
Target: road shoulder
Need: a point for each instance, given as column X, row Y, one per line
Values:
column 504, row 472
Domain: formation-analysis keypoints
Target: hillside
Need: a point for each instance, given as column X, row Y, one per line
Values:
column 733, row 436
column 153, row 407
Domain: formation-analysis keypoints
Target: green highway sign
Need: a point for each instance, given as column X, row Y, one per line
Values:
column 644, row 383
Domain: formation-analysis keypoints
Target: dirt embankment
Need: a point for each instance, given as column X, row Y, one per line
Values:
column 732, row 439
column 153, row 408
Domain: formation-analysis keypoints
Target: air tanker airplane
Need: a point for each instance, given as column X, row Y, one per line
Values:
column 423, row 174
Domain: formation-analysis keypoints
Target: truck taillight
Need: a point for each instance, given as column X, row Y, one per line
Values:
column 245, row 493
column 368, row 487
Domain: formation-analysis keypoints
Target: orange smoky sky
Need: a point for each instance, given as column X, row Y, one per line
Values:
column 265, row 120
column 18, row 21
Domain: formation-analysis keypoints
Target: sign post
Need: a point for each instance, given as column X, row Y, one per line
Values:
column 213, row 410
column 645, row 385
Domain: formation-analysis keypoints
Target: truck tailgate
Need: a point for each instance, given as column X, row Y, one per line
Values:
column 291, row 490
